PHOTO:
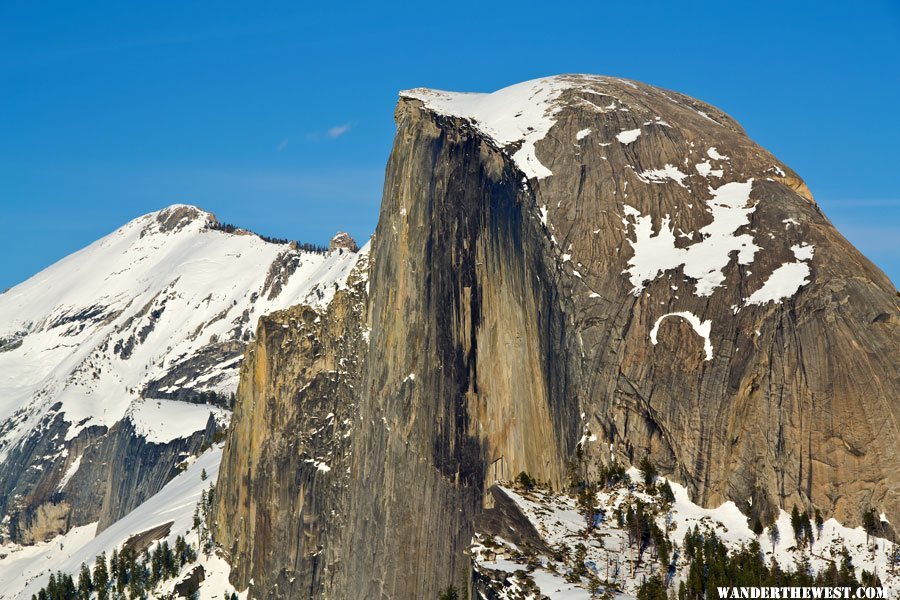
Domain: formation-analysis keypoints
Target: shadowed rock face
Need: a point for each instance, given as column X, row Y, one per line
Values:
column 640, row 278
column 116, row 471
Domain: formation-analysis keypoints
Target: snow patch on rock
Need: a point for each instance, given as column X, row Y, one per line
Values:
column 667, row 173
column 786, row 280
column 628, row 136
column 714, row 154
column 705, row 169
column 161, row 421
column 656, row 252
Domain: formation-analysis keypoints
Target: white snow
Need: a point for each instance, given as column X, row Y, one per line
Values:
column 522, row 113
column 655, row 253
column 167, row 294
column 556, row 587
column 320, row 465
column 714, row 154
column 867, row 552
column 803, row 252
column 25, row 568
column 544, row 214
column 786, row 280
column 583, row 134
column 667, row 173
column 70, row 471
column 556, row 518
column 628, row 136
column 161, row 421
column 705, row 169
column 701, row 327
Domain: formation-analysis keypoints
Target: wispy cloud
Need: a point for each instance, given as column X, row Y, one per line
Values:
column 330, row 134
column 338, row 130
column 282, row 145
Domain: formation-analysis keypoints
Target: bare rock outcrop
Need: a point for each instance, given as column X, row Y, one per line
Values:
column 342, row 240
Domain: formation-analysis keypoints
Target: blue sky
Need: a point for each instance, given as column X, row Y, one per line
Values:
column 277, row 116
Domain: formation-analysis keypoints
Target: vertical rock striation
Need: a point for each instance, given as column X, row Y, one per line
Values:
column 574, row 266
column 279, row 513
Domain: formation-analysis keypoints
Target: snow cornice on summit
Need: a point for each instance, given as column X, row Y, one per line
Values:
column 520, row 114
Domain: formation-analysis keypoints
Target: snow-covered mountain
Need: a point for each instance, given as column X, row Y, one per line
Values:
column 139, row 336
column 569, row 276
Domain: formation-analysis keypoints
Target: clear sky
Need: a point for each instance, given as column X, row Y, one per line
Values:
column 278, row 116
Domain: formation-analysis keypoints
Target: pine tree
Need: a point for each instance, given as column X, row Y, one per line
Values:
column 181, row 552
column 774, row 535
column 652, row 589
column 666, row 493
column 51, row 586
column 648, row 471
column 85, row 585
column 113, row 563
column 450, row 593
column 121, row 570
column 587, row 501
column 807, row 528
column 757, row 526
column 170, row 569
column 796, row 524
column 101, row 577
column 870, row 523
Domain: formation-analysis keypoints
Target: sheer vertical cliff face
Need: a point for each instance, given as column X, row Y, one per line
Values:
column 574, row 263
column 279, row 502
column 466, row 378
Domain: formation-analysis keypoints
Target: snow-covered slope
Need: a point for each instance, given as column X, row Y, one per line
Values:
column 611, row 555
column 138, row 326
column 96, row 328
column 24, row 569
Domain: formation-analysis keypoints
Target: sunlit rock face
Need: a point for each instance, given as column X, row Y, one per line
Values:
column 589, row 266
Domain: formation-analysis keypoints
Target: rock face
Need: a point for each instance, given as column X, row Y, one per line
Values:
column 286, row 455
column 573, row 266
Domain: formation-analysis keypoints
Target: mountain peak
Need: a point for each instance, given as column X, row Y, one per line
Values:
column 176, row 217
column 344, row 240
